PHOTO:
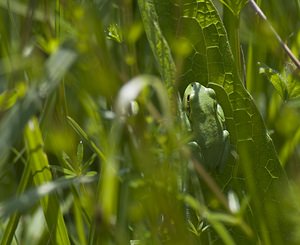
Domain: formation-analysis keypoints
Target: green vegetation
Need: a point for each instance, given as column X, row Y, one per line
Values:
column 94, row 142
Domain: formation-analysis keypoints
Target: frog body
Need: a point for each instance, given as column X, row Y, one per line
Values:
column 206, row 117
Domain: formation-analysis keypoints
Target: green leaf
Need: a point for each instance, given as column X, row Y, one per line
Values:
column 285, row 83
column 60, row 169
column 158, row 44
column 88, row 163
column 67, row 161
column 259, row 170
column 279, row 83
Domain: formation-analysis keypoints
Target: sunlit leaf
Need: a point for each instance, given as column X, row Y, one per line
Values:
column 279, row 83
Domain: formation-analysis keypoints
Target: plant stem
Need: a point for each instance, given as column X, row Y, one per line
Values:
column 283, row 45
column 232, row 22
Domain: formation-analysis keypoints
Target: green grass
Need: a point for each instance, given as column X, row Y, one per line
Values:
column 93, row 142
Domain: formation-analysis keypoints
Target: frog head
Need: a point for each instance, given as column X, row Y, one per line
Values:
column 199, row 101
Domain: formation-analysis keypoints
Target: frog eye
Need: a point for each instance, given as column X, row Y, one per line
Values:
column 188, row 106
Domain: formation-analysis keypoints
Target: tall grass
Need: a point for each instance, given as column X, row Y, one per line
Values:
column 94, row 143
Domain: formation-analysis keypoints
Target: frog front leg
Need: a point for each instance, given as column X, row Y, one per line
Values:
column 196, row 151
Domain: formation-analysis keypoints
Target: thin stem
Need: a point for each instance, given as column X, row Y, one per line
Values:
column 210, row 183
column 283, row 45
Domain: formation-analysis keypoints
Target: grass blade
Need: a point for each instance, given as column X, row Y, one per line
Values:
column 14, row 219
column 41, row 174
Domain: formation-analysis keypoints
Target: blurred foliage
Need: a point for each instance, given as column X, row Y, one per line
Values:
column 93, row 139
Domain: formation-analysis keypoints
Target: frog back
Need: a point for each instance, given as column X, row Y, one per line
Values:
column 207, row 124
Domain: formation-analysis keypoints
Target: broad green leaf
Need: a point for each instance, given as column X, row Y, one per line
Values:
column 258, row 173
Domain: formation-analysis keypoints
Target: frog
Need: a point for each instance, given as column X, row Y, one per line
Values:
column 211, row 140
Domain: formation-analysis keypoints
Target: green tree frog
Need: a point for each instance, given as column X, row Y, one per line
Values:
column 206, row 117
